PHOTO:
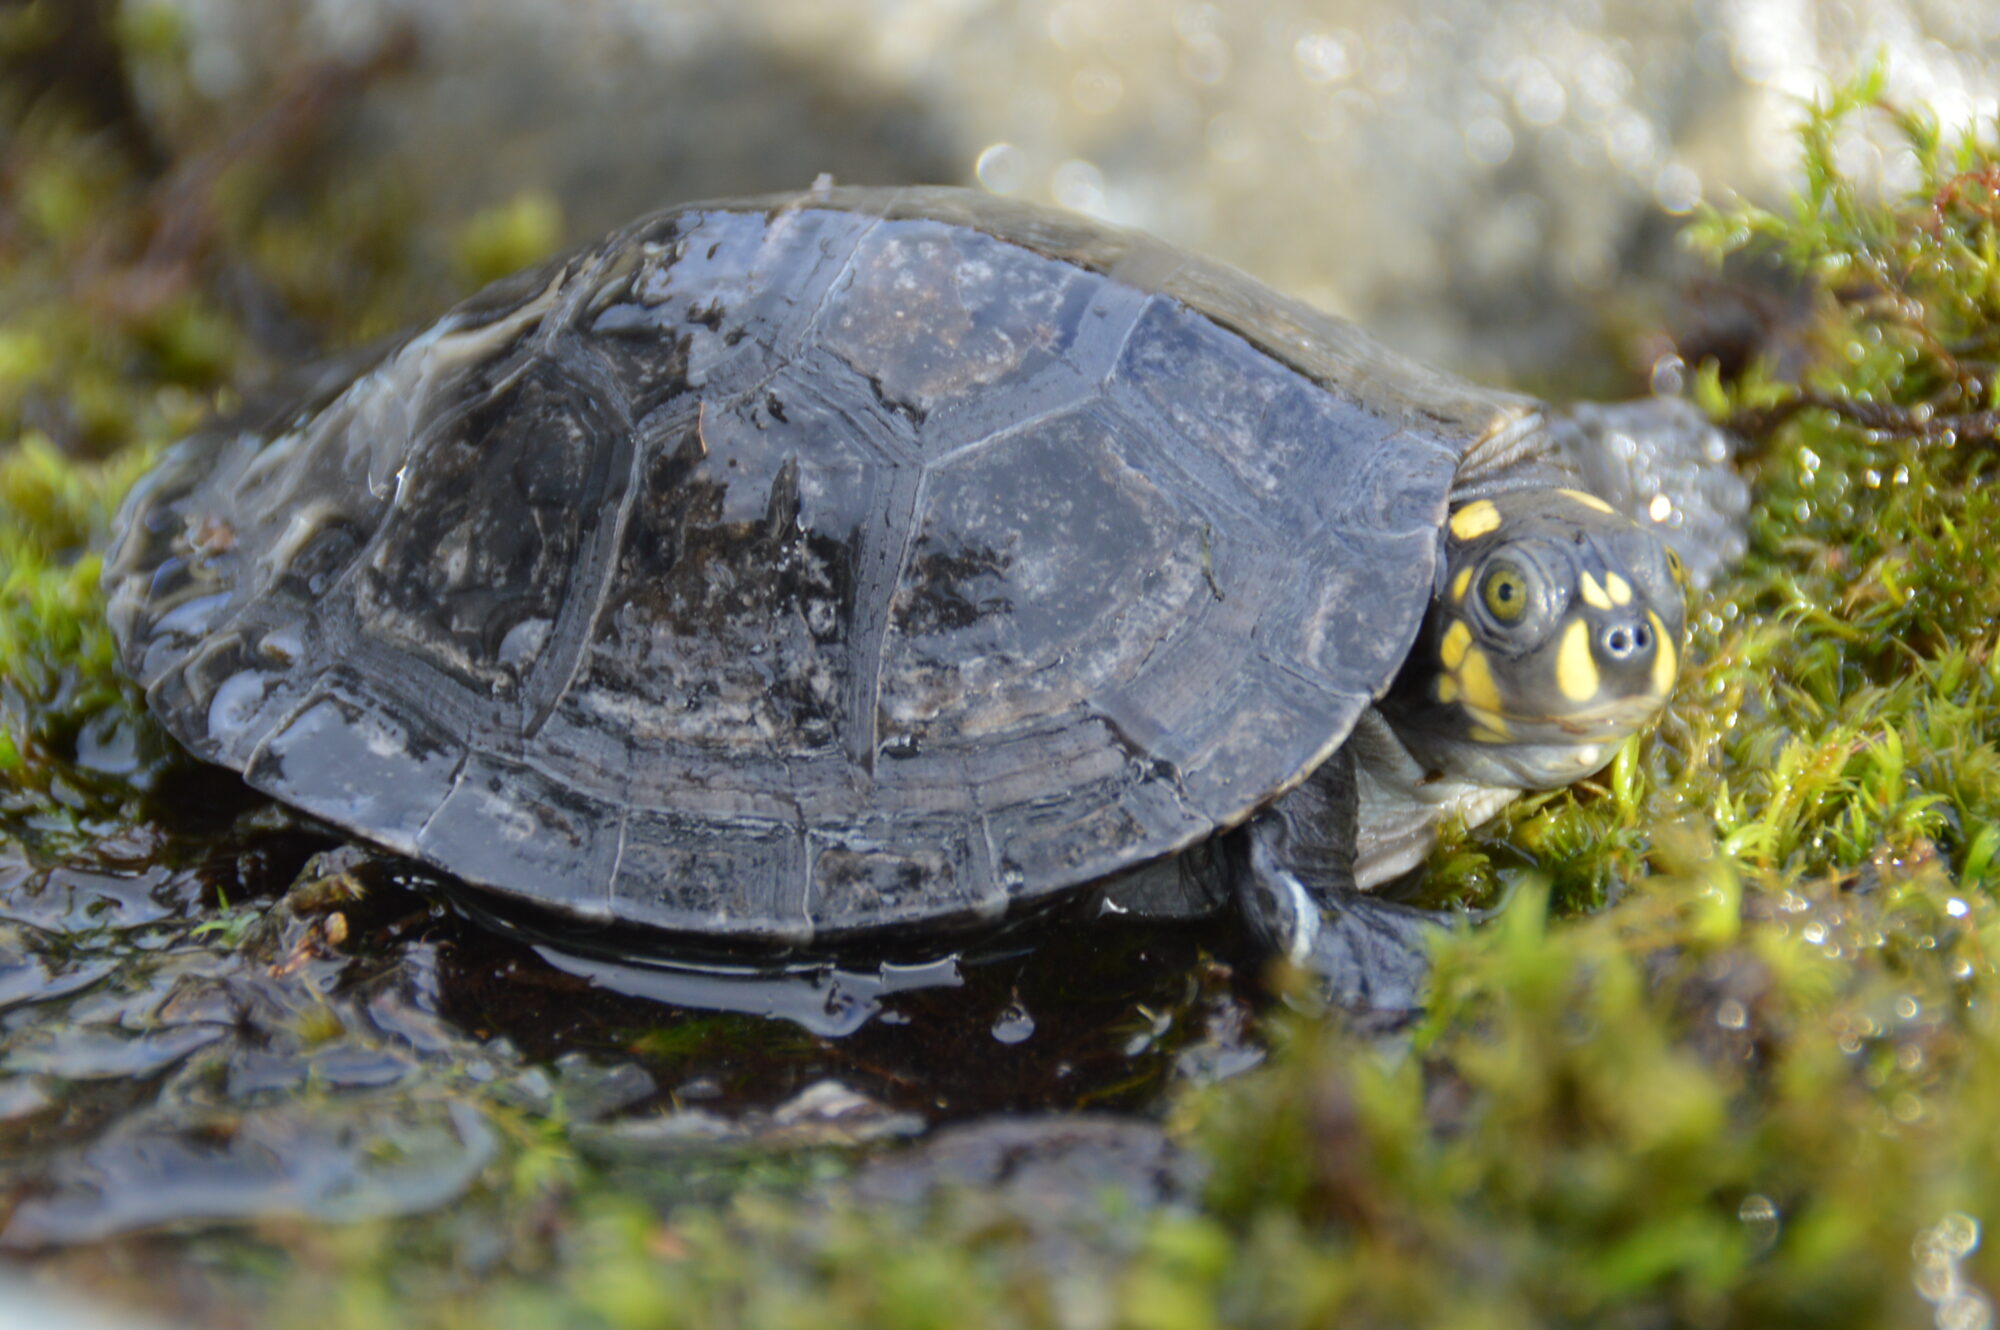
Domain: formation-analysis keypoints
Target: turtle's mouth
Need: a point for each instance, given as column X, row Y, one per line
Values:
column 1606, row 722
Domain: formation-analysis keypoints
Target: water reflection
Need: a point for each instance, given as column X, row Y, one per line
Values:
column 335, row 1041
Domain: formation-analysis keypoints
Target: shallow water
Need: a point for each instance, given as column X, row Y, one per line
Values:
column 280, row 1024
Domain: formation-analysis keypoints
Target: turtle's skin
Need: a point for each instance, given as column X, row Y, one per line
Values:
column 793, row 569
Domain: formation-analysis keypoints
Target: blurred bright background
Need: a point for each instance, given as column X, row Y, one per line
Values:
column 1493, row 186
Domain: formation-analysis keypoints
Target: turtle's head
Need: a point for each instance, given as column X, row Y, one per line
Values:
column 1556, row 632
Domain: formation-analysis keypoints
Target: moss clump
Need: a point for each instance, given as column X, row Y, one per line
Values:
column 507, row 238
column 1838, row 703
column 74, row 744
column 1754, row 1090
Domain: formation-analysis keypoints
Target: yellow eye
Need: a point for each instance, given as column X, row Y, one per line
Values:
column 1505, row 592
column 1676, row 567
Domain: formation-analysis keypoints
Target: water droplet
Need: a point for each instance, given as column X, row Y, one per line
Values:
column 1231, row 140
column 1730, row 1014
column 1934, row 1275
column 1323, row 57
column 1669, row 377
column 1677, row 189
column 1205, row 59
column 1965, row 1310
column 1488, row 141
column 1079, row 185
column 1757, row 1209
column 1097, row 89
column 1538, row 96
column 1069, row 26
column 1013, row 1025
column 1957, row 1234
column 1001, row 168
column 1760, row 1218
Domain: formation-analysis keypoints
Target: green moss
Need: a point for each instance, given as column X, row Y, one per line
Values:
column 74, row 743
column 505, row 239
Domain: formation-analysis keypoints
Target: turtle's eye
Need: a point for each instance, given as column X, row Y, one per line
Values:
column 1505, row 592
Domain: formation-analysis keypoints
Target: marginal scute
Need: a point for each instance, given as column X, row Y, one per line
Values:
column 363, row 763
column 508, row 825
column 674, row 871
column 793, row 568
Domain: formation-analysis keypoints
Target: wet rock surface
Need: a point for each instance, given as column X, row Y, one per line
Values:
column 1044, row 1164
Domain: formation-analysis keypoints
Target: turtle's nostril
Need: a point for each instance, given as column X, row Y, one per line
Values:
column 1625, row 640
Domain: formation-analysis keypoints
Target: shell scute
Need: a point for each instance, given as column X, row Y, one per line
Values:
column 381, row 767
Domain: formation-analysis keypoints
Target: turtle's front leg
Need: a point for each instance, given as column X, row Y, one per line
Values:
column 1293, row 872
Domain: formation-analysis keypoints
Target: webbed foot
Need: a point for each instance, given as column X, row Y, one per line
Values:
column 1293, row 870
column 1364, row 954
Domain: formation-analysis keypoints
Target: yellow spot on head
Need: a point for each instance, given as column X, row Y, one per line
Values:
column 1474, row 520
column 1594, row 595
column 1447, row 689
column 1489, row 727
column 1576, row 670
column 1620, row 589
column 1590, row 501
column 1475, row 681
column 1676, row 567
column 1461, row 584
column 1456, row 639
column 1665, row 663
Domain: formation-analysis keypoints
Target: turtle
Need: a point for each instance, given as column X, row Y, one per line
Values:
column 798, row 571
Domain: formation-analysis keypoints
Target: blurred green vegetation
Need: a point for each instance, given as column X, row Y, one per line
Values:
column 1728, row 1058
